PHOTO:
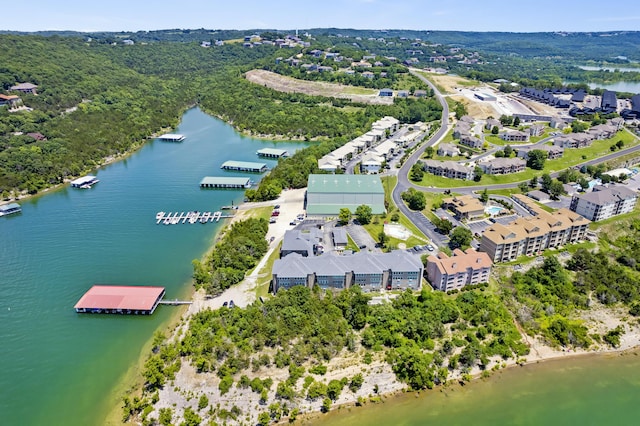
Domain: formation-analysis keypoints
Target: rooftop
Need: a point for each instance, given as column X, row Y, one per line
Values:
column 210, row 180
column 352, row 184
column 243, row 165
column 461, row 261
column 135, row 298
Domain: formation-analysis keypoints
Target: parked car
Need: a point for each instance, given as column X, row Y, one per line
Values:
column 275, row 213
column 293, row 222
column 430, row 247
column 276, row 207
column 231, row 304
column 272, row 220
column 225, row 304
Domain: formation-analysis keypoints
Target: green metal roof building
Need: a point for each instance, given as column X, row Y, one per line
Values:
column 327, row 194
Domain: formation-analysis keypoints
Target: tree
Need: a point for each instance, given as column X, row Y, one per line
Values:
column 524, row 187
column 495, row 130
column 533, row 183
column 443, row 225
column 508, row 151
column 460, row 238
column 536, row 159
column 546, row 182
column 428, row 152
column 382, row 238
column 516, row 121
column 415, row 199
column 344, row 216
column 499, row 154
column 584, row 184
column 363, row 214
column 556, row 189
column 484, row 196
column 477, row 174
column 417, row 173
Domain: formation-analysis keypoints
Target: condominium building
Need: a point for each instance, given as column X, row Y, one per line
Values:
column 604, row 203
column 371, row 271
column 464, row 206
column 503, row 166
column 449, row 169
column 532, row 235
column 463, row 268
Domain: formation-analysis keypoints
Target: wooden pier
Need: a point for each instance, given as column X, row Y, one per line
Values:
column 189, row 217
column 175, row 302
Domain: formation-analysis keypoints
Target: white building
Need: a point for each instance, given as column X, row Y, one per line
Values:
column 604, row 203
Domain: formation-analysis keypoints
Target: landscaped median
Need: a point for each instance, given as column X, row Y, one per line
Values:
column 571, row 157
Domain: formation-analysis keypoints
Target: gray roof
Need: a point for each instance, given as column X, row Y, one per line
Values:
column 294, row 265
column 340, row 236
column 609, row 195
column 297, row 241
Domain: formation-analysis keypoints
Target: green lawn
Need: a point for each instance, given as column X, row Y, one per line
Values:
column 352, row 90
column 351, row 245
column 264, row 275
column 570, row 158
column 377, row 225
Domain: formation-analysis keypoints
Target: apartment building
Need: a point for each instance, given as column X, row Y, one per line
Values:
column 604, row 202
column 463, row 268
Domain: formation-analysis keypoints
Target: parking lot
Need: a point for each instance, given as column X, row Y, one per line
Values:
column 361, row 237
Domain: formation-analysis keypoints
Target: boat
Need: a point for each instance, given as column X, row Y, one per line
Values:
column 159, row 215
column 10, row 208
column 229, row 208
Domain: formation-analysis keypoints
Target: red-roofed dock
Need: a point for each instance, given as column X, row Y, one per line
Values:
column 117, row 299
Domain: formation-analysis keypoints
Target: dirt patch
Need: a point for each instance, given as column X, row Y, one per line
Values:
column 450, row 82
column 478, row 110
column 316, row 88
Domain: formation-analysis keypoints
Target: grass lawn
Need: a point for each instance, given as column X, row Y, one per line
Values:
column 352, row 90
column 264, row 275
column 377, row 225
column 351, row 245
column 259, row 212
column 570, row 158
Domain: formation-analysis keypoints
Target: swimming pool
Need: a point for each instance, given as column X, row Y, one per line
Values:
column 493, row 210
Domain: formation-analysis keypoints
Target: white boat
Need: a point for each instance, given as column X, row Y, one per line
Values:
column 159, row 215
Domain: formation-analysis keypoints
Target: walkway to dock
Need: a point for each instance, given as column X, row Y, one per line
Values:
column 175, row 302
column 189, row 217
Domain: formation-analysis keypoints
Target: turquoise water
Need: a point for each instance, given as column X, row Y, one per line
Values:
column 592, row 390
column 59, row 367
column 493, row 210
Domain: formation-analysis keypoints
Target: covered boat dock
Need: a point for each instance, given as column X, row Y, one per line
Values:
column 118, row 299
column 225, row 182
column 11, row 208
column 84, row 182
column 272, row 153
column 172, row 137
column 244, row 166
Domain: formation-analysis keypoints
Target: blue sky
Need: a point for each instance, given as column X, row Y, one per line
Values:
column 461, row 15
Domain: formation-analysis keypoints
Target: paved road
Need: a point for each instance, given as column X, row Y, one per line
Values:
column 418, row 218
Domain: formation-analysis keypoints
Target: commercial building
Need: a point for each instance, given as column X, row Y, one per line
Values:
column 463, row 268
column 327, row 194
column 532, row 235
column 371, row 271
column 603, row 203
column 306, row 244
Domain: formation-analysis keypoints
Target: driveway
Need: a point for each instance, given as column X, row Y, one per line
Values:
column 362, row 237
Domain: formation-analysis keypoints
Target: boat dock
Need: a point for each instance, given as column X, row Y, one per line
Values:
column 121, row 299
column 244, row 166
column 11, row 208
column 172, row 137
column 84, row 182
column 226, row 182
column 272, row 153
column 189, row 217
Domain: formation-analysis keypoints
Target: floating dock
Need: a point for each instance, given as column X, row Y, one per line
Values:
column 118, row 299
column 84, row 182
column 178, row 218
column 11, row 208
column 172, row 137
column 244, row 166
column 225, row 182
column 272, row 153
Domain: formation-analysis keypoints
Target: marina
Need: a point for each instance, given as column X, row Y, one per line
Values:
column 272, row 153
column 85, row 182
column 11, row 208
column 172, row 137
column 244, row 166
column 189, row 217
column 226, row 182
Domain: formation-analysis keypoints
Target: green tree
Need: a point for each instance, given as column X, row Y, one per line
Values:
column 415, row 199
column 484, row 196
column 546, row 182
column 556, row 189
column 429, row 151
column 356, row 382
column 533, row 183
column 460, row 238
column 584, row 184
column 508, row 151
column 203, row 402
column 477, row 173
column 536, row 159
column 191, row 418
column 516, row 121
column 165, row 416
column 524, row 187
column 417, row 173
column 264, row 418
column 382, row 238
column 326, row 405
column 363, row 214
column 443, row 225
column 495, row 130
column 344, row 216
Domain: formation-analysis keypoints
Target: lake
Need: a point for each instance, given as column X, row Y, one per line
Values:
column 587, row 390
column 60, row 368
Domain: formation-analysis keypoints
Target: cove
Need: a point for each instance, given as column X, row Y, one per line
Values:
column 59, row 367
column 582, row 390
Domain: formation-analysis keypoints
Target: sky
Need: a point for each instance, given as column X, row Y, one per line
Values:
column 457, row 15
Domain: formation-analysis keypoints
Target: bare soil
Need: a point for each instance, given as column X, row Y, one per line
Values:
column 315, row 88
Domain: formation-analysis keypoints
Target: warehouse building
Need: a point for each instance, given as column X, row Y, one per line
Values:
column 327, row 194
